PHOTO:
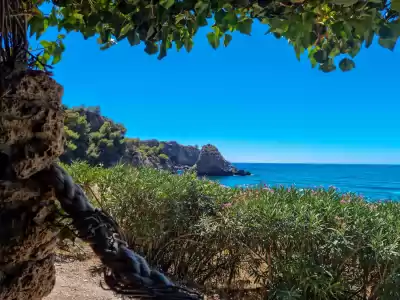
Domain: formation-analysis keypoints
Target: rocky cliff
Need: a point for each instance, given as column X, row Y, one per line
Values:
column 181, row 155
column 99, row 140
column 173, row 156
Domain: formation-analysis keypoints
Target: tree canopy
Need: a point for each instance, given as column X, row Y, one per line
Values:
column 324, row 29
column 92, row 137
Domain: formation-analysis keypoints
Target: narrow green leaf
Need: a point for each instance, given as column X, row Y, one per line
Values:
column 126, row 29
column 227, row 39
column 133, row 38
column 201, row 7
column 369, row 37
column 167, row 3
column 163, row 51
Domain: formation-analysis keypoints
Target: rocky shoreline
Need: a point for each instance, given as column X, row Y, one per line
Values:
column 176, row 158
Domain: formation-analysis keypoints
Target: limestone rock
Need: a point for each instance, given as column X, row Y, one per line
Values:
column 212, row 163
column 27, row 241
column 31, row 138
column 31, row 123
column 181, row 155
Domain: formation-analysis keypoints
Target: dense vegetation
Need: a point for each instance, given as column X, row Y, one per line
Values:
column 98, row 140
column 280, row 243
column 325, row 29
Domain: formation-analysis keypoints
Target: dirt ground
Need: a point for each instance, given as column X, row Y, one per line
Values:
column 76, row 281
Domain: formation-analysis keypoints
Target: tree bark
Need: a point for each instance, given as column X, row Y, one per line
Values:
column 31, row 138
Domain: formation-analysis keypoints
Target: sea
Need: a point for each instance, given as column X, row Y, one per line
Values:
column 375, row 182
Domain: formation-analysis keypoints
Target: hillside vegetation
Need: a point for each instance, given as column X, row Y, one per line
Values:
column 98, row 140
column 268, row 243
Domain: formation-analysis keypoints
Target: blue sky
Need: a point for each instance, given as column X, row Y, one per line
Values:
column 253, row 100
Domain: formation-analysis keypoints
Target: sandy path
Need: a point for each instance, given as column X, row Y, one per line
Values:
column 75, row 281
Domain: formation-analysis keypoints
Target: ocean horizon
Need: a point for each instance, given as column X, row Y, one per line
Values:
column 373, row 181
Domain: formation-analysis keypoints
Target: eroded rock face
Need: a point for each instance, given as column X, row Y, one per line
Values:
column 31, row 138
column 181, row 155
column 31, row 126
column 27, row 240
column 212, row 163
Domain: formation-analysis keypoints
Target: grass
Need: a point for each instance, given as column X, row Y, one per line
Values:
column 281, row 243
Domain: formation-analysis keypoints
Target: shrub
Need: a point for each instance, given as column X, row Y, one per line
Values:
column 284, row 243
column 163, row 157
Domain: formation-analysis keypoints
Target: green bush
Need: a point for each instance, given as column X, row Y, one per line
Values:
column 163, row 157
column 283, row 243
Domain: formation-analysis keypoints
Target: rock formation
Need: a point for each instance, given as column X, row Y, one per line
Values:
column 99, row 140
column 212, row 163
column 181, row 155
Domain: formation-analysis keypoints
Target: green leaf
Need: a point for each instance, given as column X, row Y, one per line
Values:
column 231, row 18
column 369, row 37
column 151, row 48
column 163, row 51
column 53, row 17
column 179, row 45
column 201, row 7
column 327, row 67
column 37, row 26
column 213, row 39
column 227, row 39
column 188, row 44
column 334, row 52
column 346, row 65
column 387, row 43
column 245, row 26
column 385, row 32
column 343, row 2
column 396, row 5
column 45, row 44
column 56, row 59
column 133, row 38
column 321, row 56
column 179, row 18
column 167, row 3
column 126, row 29
column 150, row 32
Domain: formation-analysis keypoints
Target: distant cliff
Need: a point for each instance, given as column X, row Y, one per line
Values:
column 99, row 140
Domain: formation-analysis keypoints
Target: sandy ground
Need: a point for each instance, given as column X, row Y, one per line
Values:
column 75, row 280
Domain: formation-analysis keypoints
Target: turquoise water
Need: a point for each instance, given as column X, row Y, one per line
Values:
column 378, row 182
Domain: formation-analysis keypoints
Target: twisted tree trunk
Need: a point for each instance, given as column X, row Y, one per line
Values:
column 31, row 138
